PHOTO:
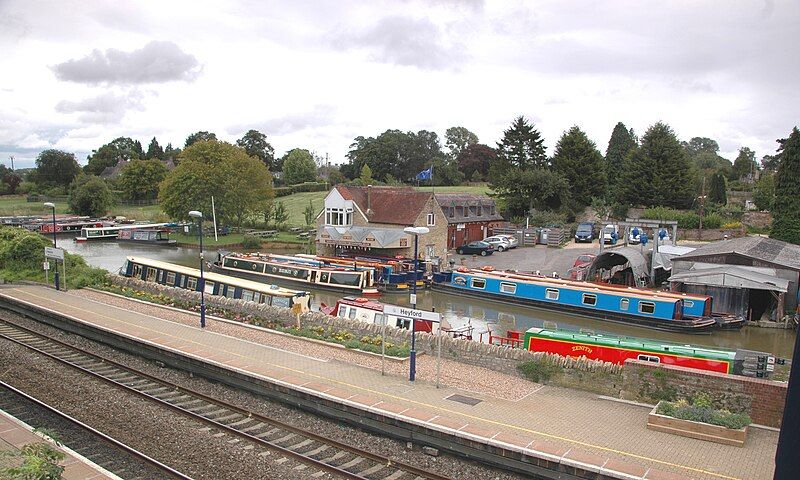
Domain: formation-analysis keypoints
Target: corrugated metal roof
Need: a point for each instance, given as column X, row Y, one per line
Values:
column 730, row 276
column 761, row 248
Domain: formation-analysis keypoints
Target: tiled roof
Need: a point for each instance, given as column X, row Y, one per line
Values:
column 761, row 248
column 392, row 205
column 344, row 192
column 449, row 200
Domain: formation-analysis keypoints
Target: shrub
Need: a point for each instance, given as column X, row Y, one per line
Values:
column 732, row 225
column 539, row 370
column 251, row 242
column 702, row 410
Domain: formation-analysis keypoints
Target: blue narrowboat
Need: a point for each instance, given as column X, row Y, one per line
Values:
column 188, row 278
column 621, row 305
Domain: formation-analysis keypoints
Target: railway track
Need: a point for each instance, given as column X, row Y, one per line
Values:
column 326, row 454
column 113, row 455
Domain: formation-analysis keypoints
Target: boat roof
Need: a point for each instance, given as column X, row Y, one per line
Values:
column 633, row 342
column 287, row 260
column 583, row 286
column 216, row 277
column 363, row 303
column 126, row 227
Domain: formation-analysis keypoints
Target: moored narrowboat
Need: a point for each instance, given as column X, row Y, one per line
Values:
column 268, row 268
column 629, row 306
column 391, row 275
column 108, row 232
column 616, row 349
column 178, row 276
column 371, row 311
column 147, row 236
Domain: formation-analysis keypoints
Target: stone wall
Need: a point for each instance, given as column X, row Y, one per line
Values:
column 762, row 399
column 710, row 234
column 757, row 219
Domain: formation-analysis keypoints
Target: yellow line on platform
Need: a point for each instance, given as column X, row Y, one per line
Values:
column 436, row 407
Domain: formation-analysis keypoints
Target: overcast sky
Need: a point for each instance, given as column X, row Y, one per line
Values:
column 312, row 74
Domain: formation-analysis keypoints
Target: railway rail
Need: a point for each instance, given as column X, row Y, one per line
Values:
column 107, row 452
column 326, row 454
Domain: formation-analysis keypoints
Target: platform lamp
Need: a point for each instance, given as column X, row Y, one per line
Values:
column 55, row 242
column 199, row 217
column 416, row 231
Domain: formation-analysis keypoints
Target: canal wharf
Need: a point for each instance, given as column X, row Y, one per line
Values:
column 549, row 433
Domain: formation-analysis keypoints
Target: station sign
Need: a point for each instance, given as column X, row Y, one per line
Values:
column 55, row 253
column 405, row 312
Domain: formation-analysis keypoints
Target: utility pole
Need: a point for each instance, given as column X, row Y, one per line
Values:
column 12, row 162
column 702, row 202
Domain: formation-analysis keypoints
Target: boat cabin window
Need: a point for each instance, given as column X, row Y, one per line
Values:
column 589, row 299
column 323, row 277
column 191, row 283
column 508, row 288
column 247, row 295
column 151, row 274
column 688, row 303
column 162, row 275
column 209, row 288
column 170, row 278
column 352, row 315
column 648, row 358
column 137, row 271
column 478, row 283
column 343, row 311
column 647, row 307
column 350, row 279
column 624, row 303
column 264, row 298
column 379, row 318
column 551, row 294
column 281, row 302
column 230, row 291
column 403, row 323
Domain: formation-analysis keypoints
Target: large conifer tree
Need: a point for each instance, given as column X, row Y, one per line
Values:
column 578, row 160
column 717, row 190
column 672, row 179
column 620, row 144
column 635, row 185
column 522, row 146
column 786, row 209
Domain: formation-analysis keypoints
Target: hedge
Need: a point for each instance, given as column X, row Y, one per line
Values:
column 301, row 187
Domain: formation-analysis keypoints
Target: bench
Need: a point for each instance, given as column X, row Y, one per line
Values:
column 303, row 235
column 263, row 234
column 296, row 229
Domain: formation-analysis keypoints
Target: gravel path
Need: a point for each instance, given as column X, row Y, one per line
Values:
column 453, row 374
column 183, row 443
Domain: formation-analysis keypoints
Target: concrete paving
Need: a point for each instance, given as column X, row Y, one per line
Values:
column 571, row 426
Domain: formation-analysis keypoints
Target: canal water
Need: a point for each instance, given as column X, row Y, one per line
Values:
column 481, row 314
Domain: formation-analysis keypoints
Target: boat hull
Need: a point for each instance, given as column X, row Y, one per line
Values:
column 160, row 243
column 702, row 326
column 275, row 279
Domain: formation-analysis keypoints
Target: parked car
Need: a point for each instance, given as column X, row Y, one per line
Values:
column 578, row 270
column 610, row 234
column 479, row 247
column 512, row 240
column 633, row 236
column 584, row 232
column 499, row 243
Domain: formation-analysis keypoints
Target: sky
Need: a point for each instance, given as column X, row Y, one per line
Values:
column 74, row 75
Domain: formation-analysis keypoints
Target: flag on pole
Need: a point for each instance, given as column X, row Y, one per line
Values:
column 426, row 174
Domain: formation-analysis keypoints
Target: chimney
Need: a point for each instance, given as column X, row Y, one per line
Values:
column 369, row 199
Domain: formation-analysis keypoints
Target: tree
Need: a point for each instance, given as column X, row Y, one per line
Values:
column 699, row 145
column 110, row 154
column 672, row 178
column 717, row 190
column 280, row 215
column 10, row 180
column 456, row 139
column 171, row 153
column 577, row 159
column 241, row 185
column 256, row 145
column 526, row 190
column 366, row 176
column 522, row 146
column 201, row 136
column 764, row 191
column 744, row 164
column 786, row 207
column 476, row 158
column 154, row 150
column 139, row 179
column 399, row 154
column 309, row 212
column 89, row 195
column 622, row 141
column 636, row 184
column 299, row 167
column 446, row 172
column 55, row 168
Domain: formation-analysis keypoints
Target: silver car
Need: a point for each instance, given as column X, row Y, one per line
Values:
column 511, row 239
column 498, row 242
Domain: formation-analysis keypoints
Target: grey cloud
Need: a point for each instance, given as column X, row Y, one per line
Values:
column 156, row 62
column 405, row 41
column 103, row 109
column 319, row 116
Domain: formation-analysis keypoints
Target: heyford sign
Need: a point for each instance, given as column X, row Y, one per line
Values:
column 411, row 313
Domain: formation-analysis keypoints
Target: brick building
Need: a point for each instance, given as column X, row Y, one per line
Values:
column 371, row 219
column 469, row 217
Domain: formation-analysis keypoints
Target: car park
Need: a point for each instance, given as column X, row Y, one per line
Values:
column 584, row 232
column 478, row 247
column 499, row 243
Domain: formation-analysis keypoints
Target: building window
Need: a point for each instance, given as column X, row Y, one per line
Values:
column 624, row 304
column 451, row 212
column 508, row 288
column 647, row 307
column 466, row 211
column 478, row 283
column 551, row 294
column 338, row 216
column 431, row 220
column 589, row 299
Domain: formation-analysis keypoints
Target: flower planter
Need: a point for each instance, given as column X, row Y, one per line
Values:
column 701, row 431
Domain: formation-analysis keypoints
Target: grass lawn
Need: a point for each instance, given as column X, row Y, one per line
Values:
column 234, row 238
column 18, row 205
column 296, row 203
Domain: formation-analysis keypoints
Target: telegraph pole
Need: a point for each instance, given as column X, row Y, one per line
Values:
column 702, row 202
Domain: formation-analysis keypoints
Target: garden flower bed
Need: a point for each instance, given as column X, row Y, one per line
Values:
column 699, row 420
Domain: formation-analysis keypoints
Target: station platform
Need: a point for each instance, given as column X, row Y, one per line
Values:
column 14, row 435
column 573, row 432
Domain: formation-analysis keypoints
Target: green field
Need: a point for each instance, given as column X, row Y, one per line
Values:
column 295, row 205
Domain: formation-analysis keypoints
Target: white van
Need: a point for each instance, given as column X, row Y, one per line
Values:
column 610, row 232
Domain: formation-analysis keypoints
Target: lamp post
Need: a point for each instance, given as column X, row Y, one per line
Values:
column 416, row 231
column 55, row 242
column 199, row 217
